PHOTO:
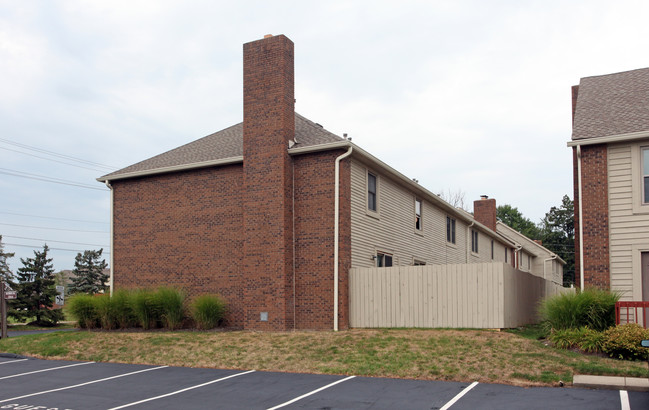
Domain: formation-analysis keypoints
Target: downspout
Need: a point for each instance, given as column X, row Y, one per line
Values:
column 336, row 228
column 468, row 233
column 545, row 260
column 517, row 261
column 112, row 248
column 581, row 221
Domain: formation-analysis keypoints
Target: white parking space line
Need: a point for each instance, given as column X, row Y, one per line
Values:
column 180, row 391
column 14, row 361
column 82, row 384
column 624, row 400
column 45, row 370
column 459, row 396
column 310, row 393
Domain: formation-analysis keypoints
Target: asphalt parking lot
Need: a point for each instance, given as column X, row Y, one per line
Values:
column 31, row 384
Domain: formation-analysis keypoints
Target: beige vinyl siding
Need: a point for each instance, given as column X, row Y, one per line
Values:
column 392, row 228
column 628, row 229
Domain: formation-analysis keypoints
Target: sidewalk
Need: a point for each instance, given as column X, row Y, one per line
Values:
column 611, row 382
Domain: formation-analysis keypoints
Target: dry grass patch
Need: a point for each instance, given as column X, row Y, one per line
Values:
column 432, row 354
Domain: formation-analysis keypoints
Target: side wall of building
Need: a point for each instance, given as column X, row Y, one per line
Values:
column 392, row 230
column 314, row 233
column 629, row 219
column 181, row 229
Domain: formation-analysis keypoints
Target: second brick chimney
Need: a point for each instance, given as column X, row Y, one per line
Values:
column 484, row 211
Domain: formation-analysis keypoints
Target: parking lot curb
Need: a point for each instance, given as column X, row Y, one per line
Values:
column 13, row 356
column 611, row 382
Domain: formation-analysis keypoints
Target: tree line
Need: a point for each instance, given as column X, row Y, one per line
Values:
column 556, row 231
column 35, row 283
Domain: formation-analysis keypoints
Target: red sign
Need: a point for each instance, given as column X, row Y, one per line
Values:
column 11, row 294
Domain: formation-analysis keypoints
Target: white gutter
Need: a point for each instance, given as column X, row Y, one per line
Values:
column 581, row 221
column 553, row 257
column 517, row 261
column 336, row 227
column 112, row 249
column 609, row 139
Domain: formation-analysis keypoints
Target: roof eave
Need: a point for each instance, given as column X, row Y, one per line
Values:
column 176, row 168
column 365, row 156
column 609, row 139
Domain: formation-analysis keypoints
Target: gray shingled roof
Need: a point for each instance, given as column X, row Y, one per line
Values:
column 221, row 145
column 612, row 104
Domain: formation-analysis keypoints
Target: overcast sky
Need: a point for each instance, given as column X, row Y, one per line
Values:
column 462, row 95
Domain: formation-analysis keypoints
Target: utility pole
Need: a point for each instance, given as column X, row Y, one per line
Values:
column 3, row 311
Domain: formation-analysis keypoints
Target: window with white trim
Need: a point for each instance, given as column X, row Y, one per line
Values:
column 450, row 230
column 474, row 241
column 645, row 175
column 492, row 249
column 371, row 192
column 418, row 222
column 383, row 260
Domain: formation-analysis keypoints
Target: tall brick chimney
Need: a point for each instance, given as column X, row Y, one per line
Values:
column 268, row 125
column 484, row 211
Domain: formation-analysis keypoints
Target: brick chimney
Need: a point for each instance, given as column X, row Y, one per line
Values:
column 268, row 125
column 484, row 211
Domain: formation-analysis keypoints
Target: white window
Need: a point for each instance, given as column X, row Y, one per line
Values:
column 418, row 225
column 371, row 192
column 450, row 229
column 492, row 249
column 383, row 260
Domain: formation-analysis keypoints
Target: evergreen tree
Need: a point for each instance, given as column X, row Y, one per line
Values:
column 36, row 290
column 5, row 273
column 89, row 276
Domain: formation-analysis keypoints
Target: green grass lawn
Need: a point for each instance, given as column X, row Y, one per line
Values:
column 429, row 354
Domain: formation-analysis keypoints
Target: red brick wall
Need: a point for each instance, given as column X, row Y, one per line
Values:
column 268, row 125
column 595, row 213
column 484, row 211
column 314, row 227
column 181, row 229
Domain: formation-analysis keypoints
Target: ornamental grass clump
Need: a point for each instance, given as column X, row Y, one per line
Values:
column 145, row 308
column 171, row 305
column 83, row 309
column 585, row 339
column 105, row 311
column 592, row 308
column 123, row 311
column 208, row 311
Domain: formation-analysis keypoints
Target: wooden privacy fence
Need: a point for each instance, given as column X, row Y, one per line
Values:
column 484, row 295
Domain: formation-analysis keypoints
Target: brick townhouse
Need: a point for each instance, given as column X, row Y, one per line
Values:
column 610, row 143
column 272, row 213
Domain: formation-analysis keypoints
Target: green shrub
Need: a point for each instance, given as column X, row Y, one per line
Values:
column 591, row 308
column 623, row 342
column 123, row 311
column 105, row 311
column 145, row 308
column 207, row 311
column 82, row 308
column 584, row 338
column 171, row 303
